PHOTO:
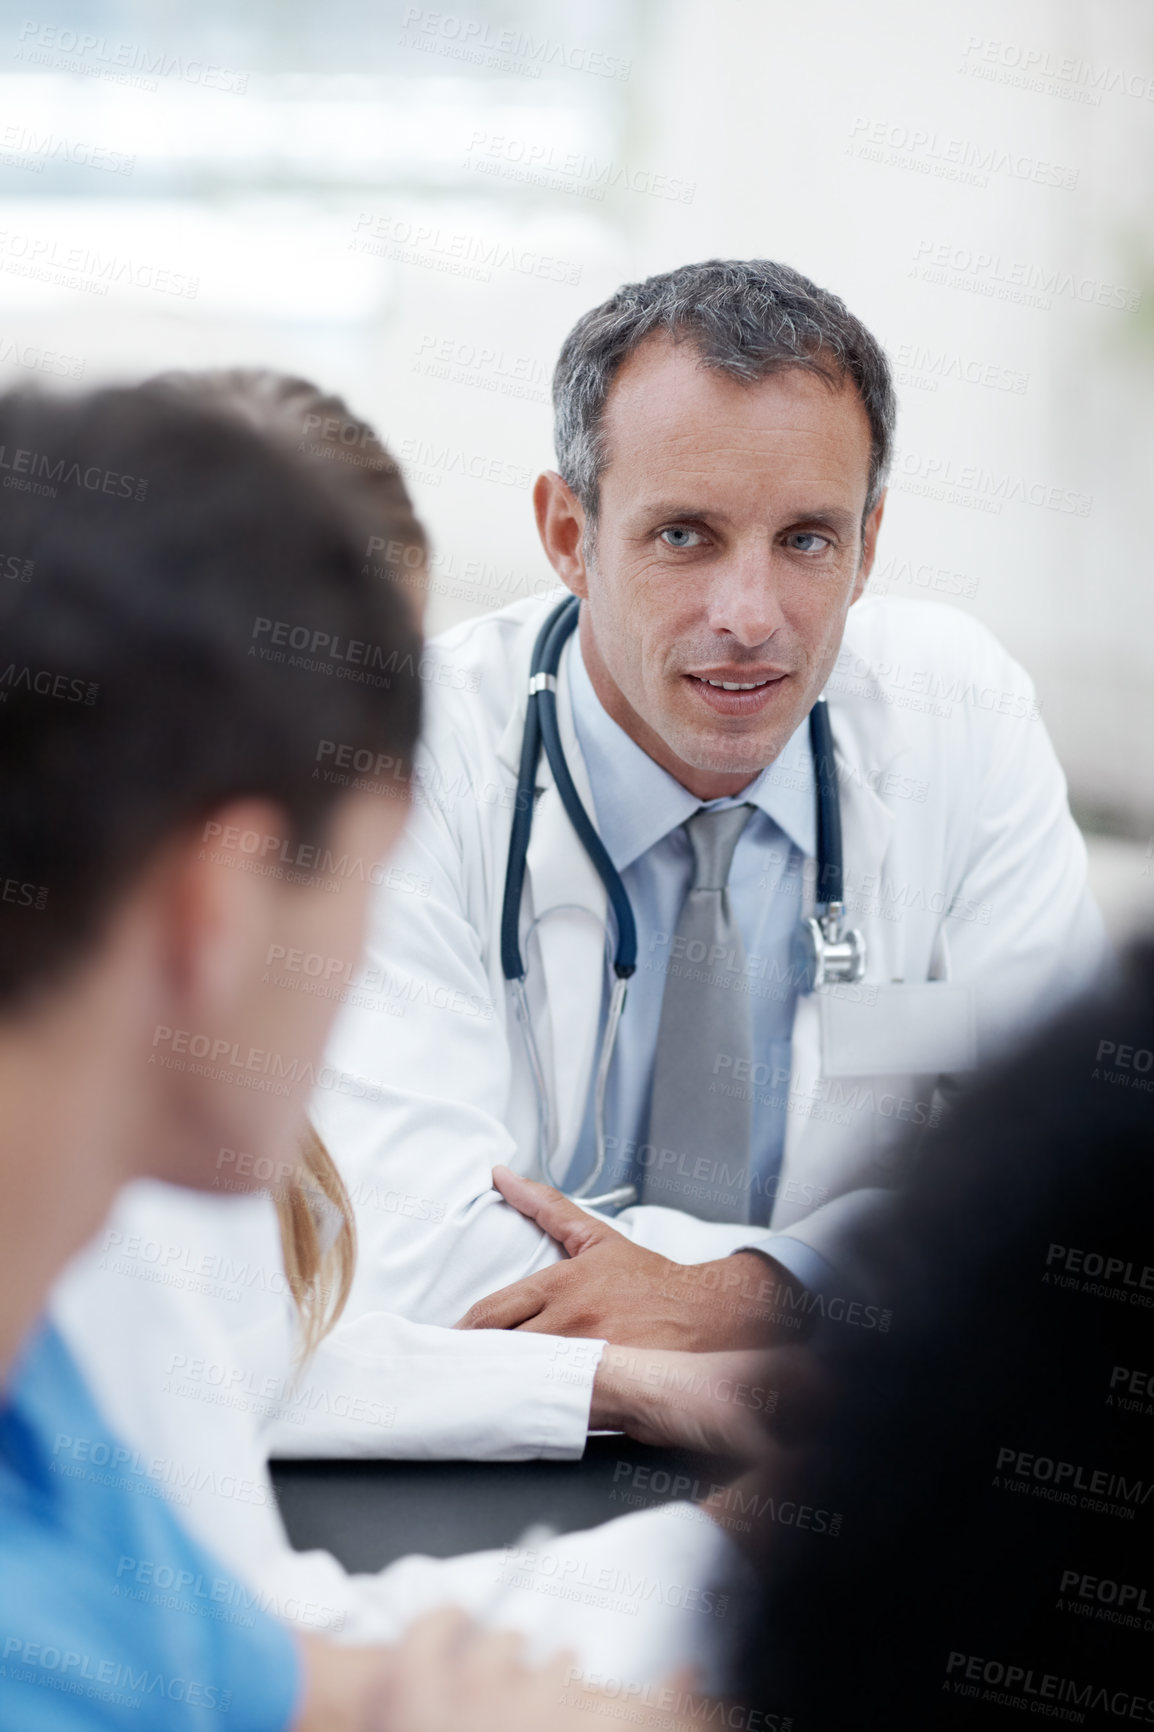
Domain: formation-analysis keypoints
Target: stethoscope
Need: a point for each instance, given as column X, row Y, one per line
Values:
column 824, row 954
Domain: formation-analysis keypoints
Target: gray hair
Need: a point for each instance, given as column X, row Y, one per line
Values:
column 745, row 317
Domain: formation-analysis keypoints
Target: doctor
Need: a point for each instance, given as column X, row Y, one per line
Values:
column 723, row 433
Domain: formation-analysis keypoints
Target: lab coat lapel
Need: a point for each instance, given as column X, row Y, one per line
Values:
column 867, row 737
column 866, row 821
column 570, row 942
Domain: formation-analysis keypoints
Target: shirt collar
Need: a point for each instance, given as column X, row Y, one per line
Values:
column 638, row 803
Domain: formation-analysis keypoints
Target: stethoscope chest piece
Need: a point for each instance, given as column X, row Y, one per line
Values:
column 824, row 955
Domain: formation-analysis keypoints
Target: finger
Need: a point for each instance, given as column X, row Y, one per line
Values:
column 495, row 1650
column 509, row 1306
column 561, row 1219
column 490, row 1679
column 415, row 1691
column 569, row 1310
column 546, row 1322
column 434, row 1635
column 560, row 1670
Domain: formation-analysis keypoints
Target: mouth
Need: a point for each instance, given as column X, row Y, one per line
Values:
column 736, row 696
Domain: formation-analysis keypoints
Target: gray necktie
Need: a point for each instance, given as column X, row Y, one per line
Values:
column 700, row 1117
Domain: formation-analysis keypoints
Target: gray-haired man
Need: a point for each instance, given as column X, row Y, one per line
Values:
column 723, row 434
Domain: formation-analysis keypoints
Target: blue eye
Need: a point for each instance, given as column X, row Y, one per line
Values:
column 684, row 537
column 809, row 535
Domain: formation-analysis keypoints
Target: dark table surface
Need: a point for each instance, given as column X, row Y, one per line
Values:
column 367, row 1513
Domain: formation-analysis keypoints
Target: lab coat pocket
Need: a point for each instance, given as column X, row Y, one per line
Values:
column 921, row 1029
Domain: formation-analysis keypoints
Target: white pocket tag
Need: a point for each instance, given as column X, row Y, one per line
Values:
column 914, row 1030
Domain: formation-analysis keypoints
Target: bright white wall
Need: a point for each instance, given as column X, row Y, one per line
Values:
column 739, row 126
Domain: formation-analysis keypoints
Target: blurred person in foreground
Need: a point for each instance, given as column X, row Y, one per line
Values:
column 990, row 1458
column 132, row 713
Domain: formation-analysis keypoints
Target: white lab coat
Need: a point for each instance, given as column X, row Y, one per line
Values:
column 964, row 870
column 177, row 1315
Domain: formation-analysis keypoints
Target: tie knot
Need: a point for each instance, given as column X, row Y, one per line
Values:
column 713, row 836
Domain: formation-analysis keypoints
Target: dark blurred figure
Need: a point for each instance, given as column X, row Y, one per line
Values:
column 985, row 1468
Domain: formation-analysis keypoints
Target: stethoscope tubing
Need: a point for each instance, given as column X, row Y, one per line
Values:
column 541, row 728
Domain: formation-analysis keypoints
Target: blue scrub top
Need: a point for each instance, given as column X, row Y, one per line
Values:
column 110, row 1614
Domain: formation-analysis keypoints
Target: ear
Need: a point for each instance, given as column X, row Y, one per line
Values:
column 221, row 906
column 561, row 526
column 869, row 546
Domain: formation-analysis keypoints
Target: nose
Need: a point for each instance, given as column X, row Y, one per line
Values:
column 743, row 599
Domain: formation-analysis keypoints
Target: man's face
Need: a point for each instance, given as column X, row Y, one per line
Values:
column 729, row 547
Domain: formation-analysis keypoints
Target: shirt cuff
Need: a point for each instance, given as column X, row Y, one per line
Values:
column 376, row 1390
column 806, row 1265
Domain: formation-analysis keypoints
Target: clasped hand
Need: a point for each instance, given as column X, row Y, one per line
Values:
column 609, row 1287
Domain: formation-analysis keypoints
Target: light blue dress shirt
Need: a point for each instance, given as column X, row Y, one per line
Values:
column 640, row 809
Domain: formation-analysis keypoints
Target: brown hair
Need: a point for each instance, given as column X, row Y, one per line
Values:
column 320, row 427
column 323, row 431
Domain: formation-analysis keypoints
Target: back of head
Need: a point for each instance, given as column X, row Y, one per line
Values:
column 165, row 654
column 988, row 1455
column 319, row 427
